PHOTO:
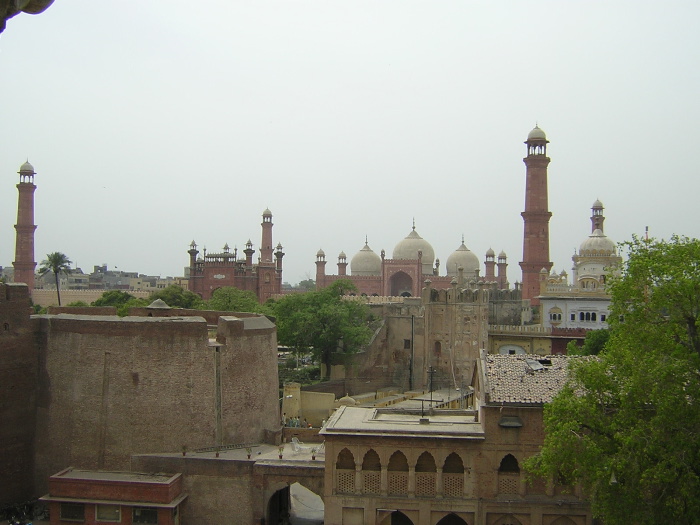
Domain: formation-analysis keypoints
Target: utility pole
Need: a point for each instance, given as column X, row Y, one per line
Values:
column 431, row 371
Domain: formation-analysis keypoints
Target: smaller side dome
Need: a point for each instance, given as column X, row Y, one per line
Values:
column 346, row 400
column 320, row 253
column 490, row 253
column 159, row 304
column 464, row 258
column 366, row 262
column 536, row 134
column 597, row 204
column 342, row 255
column 267, row 213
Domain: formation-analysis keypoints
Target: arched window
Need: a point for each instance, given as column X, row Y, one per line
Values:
column 398, row 474
column 345, row 472
column 453, row 476
column 509, row 464
column 371, row 473
column 592, row 316
column 508, row 475
column 425, row 475
column 345, row 460
column 437, row 348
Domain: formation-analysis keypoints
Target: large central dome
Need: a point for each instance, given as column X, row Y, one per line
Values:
column 408, row 249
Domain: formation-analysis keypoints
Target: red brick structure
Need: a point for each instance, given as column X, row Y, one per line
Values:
column 218, row 270
column 93, row 496
column 24, row 263
column 536, row 215
column 405, row 274
column 18, row 394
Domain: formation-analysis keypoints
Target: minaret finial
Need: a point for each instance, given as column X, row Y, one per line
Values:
column 414, row 224
column 365, row 239
column 462, row 238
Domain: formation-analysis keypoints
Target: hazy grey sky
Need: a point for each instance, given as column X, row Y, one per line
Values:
column 153, row 123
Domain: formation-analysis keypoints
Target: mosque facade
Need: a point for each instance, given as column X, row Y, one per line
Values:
column 212, row 271
column 412, row 263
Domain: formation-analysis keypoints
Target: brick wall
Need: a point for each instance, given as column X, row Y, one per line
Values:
column 18, row 378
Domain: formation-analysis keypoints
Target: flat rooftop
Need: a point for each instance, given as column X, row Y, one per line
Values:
column 105, row 475
column 397, row 422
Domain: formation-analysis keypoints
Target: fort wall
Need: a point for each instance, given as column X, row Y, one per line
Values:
column 18, row 379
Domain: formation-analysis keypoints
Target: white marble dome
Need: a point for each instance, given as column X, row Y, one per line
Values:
column 465, row 258
column 597, row 244
column 536, row 134
column 366, row 262
column 408, row 249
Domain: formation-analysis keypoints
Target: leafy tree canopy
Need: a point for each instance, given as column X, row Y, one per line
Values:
column 323, row 322
column 627, row 426
column 231, row 299
column 113, row 298
column 308, row 285
column 593, row 344
column 177, row 297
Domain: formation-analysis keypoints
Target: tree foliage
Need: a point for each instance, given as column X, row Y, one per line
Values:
column 57, row 263
column 323, row 322
column 231, row 299
column 121, row 300
column 593, row 344
column 628, row 424
column 177, row 297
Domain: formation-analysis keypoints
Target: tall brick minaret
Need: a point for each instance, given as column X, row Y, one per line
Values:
column 266, row 244
column 24, row 263
column 536, row 215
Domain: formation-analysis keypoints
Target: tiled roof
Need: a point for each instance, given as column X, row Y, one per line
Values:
column 523, row 379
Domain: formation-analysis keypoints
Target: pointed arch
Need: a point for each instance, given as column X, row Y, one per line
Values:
column 396, row 518
column 345, row 472
column 345, row 460
column 508, row 519
column 563, row 520
column 371, row 461
column 452, row 519
column 509, row 464
column 401, row 284
column 508, row 475
column 453, row 476
column 426, row 477
column 371, row 473
column 397, row 476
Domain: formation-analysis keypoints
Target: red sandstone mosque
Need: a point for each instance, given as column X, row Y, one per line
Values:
column 216, row 270
column 413, row 260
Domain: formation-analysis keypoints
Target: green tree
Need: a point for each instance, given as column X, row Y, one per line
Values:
column 231, row 299
column 593, row 344
column 121, row 300
column 57, row 263
column 627, row 426
column 307, row 285
column 177, row 297
column 323, row 322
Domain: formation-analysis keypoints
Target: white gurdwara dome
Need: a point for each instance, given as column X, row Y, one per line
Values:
column 597, row 244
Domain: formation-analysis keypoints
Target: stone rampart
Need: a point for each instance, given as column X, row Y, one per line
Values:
column 111, row 387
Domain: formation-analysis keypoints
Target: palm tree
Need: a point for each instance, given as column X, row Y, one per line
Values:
column 55, row 262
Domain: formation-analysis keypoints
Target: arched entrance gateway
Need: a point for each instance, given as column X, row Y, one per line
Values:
column 294, row 504
column 401, row 285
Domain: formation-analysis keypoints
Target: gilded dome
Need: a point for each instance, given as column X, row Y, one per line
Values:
column 536, row 134
column 366, row 262
column 462, row 257
column 408, row 249
column 597, row 244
